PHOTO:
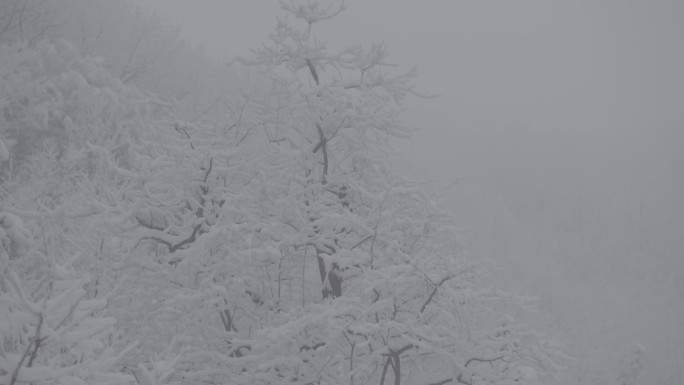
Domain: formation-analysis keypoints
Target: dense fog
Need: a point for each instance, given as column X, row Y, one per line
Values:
column 551, row 131
column 557, row 140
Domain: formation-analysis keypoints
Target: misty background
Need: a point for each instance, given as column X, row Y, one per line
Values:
column 557, row 142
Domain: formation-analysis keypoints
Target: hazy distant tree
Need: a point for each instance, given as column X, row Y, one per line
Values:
column 27, row 21
column 74, row 136
column 137, row 46
column 56, row 112
column 631, row 363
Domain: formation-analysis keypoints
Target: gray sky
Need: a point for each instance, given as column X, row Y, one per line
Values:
column 566, row 120
column 511, row 74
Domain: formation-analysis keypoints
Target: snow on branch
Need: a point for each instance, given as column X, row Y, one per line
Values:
column 312, row 12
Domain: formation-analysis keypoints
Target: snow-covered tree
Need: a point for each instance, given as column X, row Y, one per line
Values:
column 50, row 332
column 137, row 46
column 72, row 175
column 295, row 254
column 53, row 335
column 267, row 242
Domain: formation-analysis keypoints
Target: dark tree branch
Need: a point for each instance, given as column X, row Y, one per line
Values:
column 388, row 360
column 397, row 369
column 377, row 223
column 304, row 348
column 174, row 247
column 314, row 74
column 461, row 380
column 197, row 229
column 434, row 291
column 394, row 359
column 318, row 147
column 475, row 359
column 190, row 239
column 135, row 376
column 149, row 225
column 404, row 349
column 361, row 242
column 35, row 343
column 206, row 175
column 324, row 149
column 237, row 351
column 179, row 128
column 227, row 320
column 377, row 296
column 443, row 382
column 204, row 190
column 335, row 281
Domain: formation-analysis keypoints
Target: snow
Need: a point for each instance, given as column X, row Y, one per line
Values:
column 251, row 282
column 4, row 152
column 15, row 229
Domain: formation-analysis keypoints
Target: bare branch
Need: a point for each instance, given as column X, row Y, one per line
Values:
column 314, row 74
column 35, row 343
column 434, row 291
column 476, row 359
column 325, row 151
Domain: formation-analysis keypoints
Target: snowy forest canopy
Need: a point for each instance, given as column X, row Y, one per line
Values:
column 168, row 220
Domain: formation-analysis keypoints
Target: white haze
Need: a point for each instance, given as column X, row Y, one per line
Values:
column 563, row 124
